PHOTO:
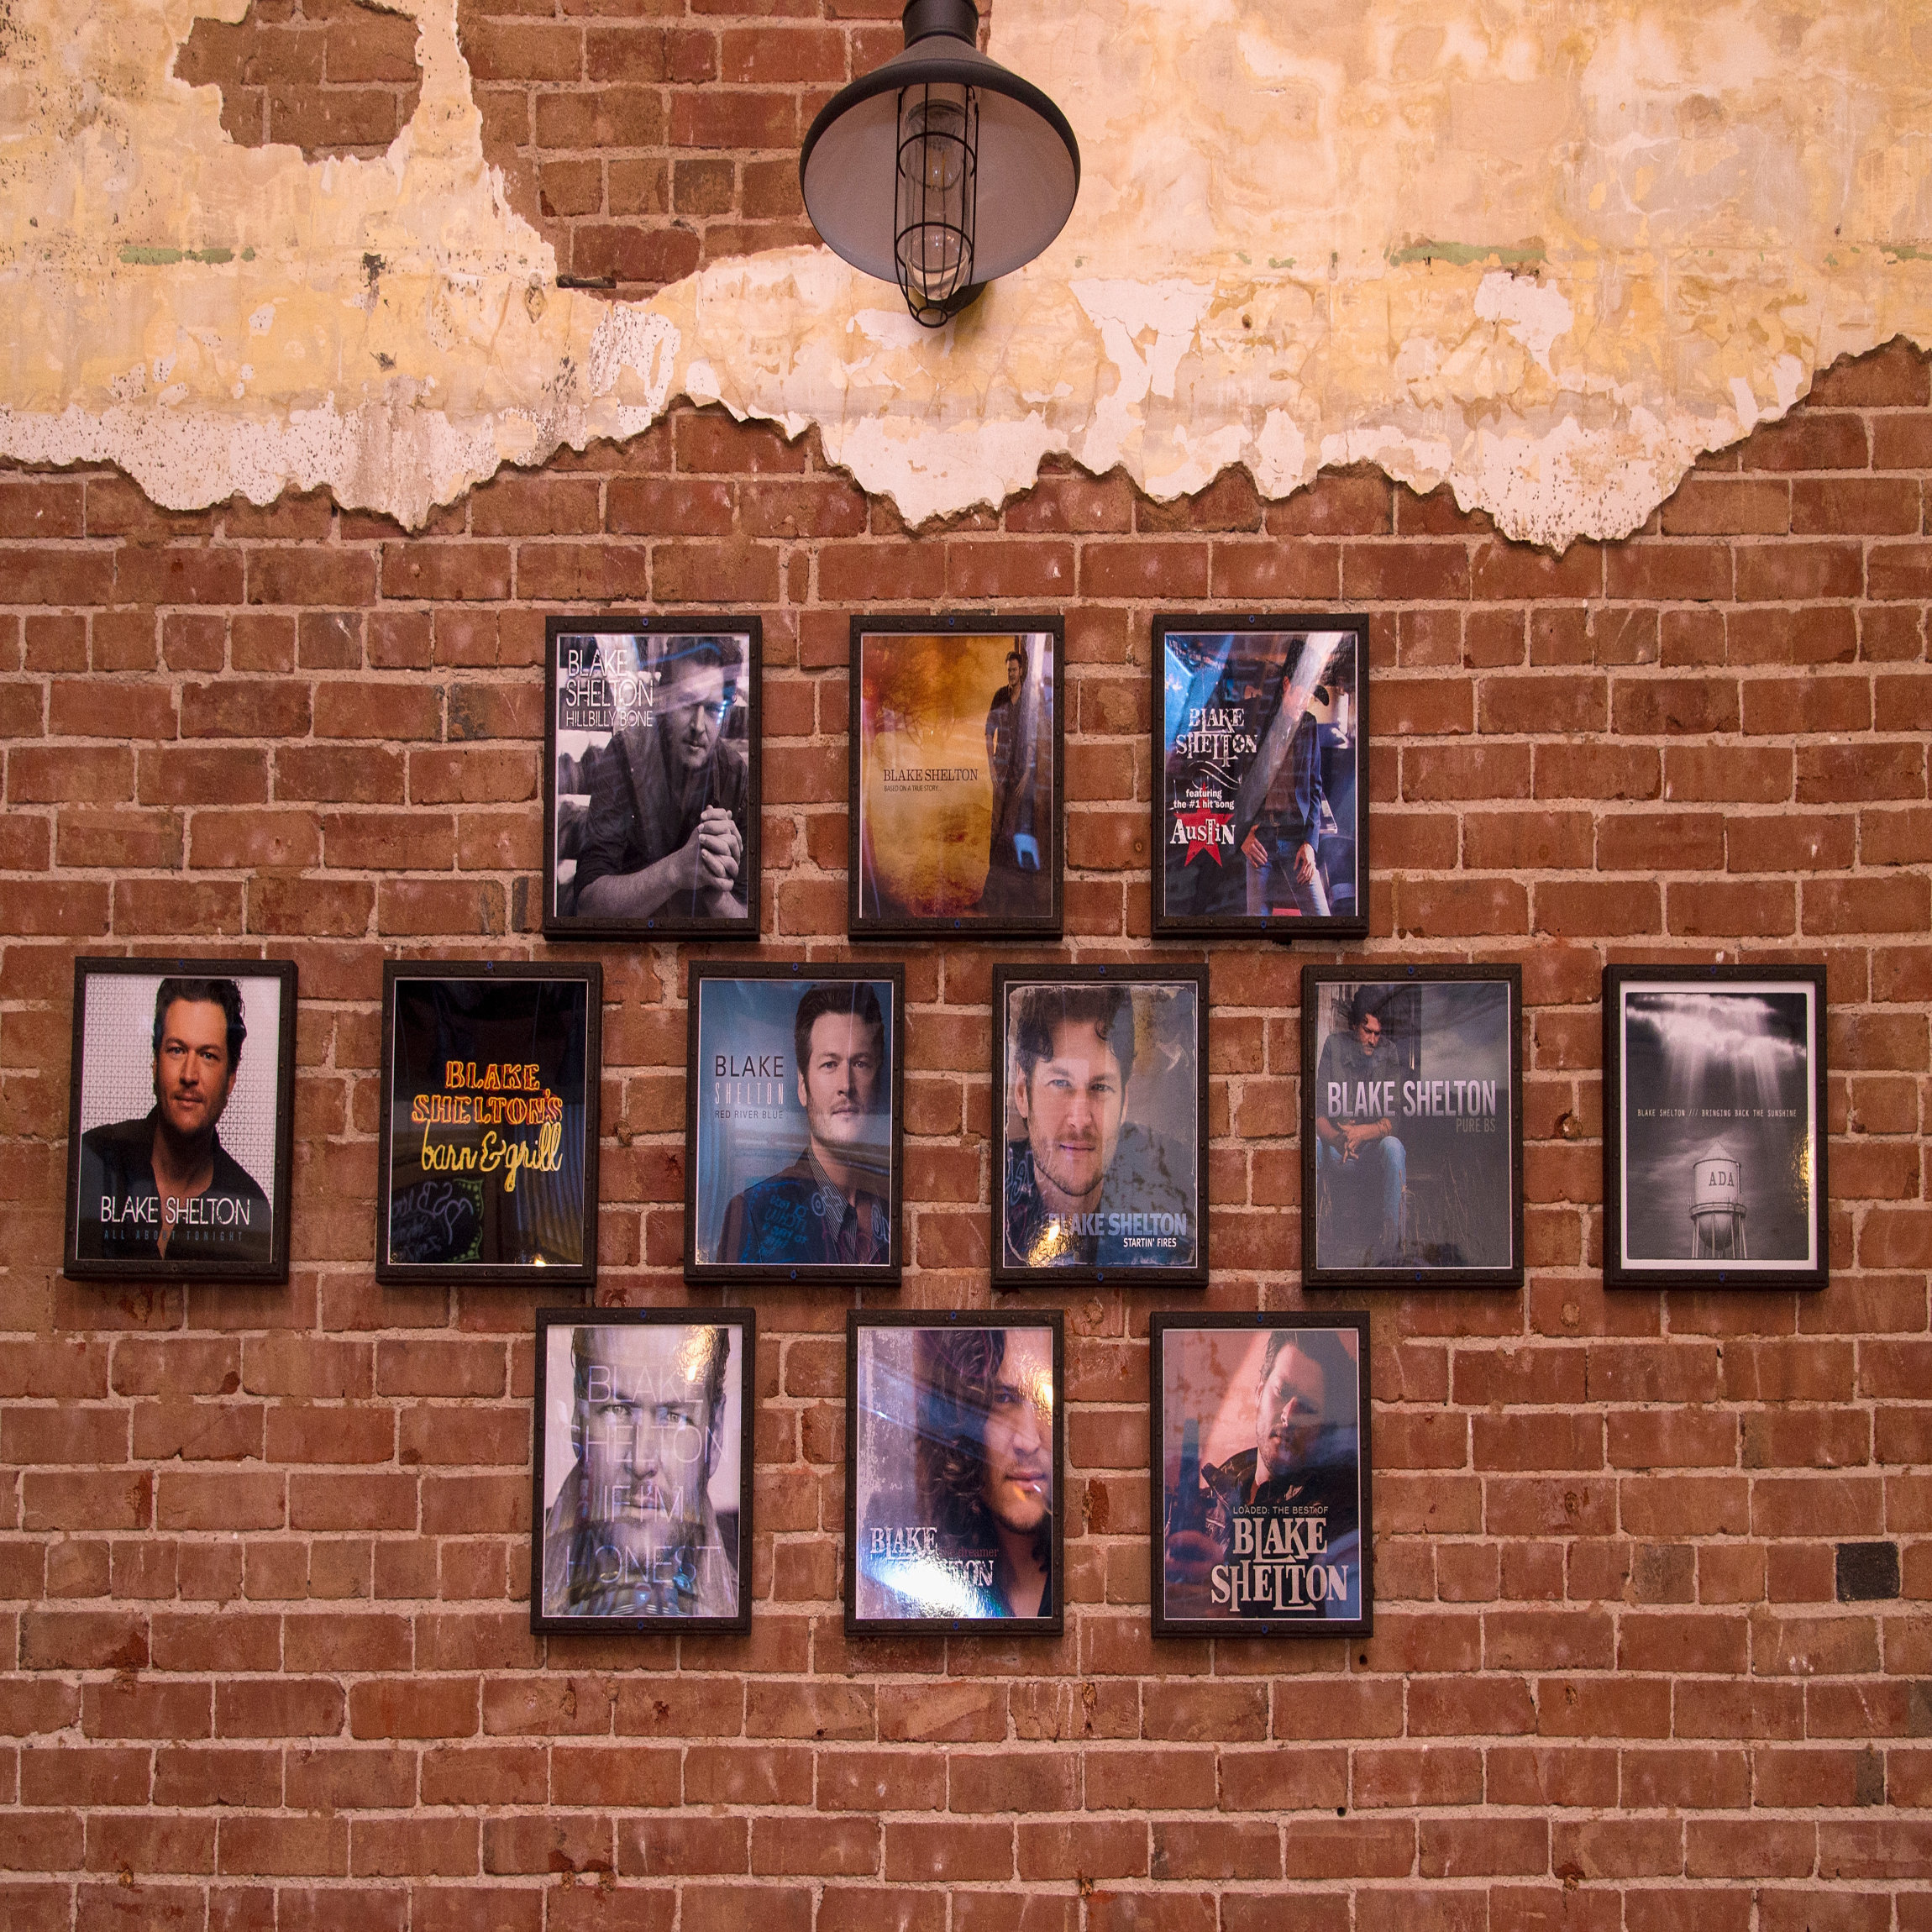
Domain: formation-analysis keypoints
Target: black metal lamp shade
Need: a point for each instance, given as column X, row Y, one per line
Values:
column 1018, row 164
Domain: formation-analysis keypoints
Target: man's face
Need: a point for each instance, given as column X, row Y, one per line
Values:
column 1016, row 674
column 193, row 1075
column 1287, row 1416
column 1368, row 1031
column 1019, row 1436
column 839, row 1080
column 695, row 711
column 644, row 1425
column 1072, row 1104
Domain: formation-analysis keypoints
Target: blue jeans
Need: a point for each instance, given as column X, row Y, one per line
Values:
column 1379, row 1174
column 1271, row 885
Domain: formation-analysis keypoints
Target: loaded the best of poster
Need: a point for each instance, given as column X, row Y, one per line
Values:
column 1412, row 1125
column 651, row 776
column 956, row 747
column 1260, row 1462
column 180, row 1119
column 1713, row 1128
column 488, row 1168
column 1260, row 814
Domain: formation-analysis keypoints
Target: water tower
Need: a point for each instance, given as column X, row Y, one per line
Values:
column 1717, row 1206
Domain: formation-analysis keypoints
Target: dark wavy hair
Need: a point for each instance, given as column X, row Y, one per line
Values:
column 1363, row 1004
column 1038, row 1009
column 223, row 993
column 955, row 1399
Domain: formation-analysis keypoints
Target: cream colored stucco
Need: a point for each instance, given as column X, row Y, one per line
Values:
column 1547, row 253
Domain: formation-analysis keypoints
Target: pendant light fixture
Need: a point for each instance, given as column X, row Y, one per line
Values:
column 939, row 169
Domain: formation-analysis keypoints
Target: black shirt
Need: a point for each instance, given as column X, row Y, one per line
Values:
column 120, row 1207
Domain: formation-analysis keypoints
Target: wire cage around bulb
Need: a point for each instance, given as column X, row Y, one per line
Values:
column 935, row 193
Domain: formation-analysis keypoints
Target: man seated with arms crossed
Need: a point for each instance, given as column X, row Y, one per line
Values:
column 826, row 1206
column 633, row 1532
column 164, row 1187
column 669, row 799
column 1082, row 1165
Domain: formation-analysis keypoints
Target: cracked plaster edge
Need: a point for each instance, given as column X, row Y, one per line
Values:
column 1545, row 479
column 1546, row 485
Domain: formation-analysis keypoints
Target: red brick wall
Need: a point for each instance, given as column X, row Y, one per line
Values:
column 642, row 139
column 263, row 1636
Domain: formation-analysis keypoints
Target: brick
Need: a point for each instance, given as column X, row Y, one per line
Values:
column 1609, row 1542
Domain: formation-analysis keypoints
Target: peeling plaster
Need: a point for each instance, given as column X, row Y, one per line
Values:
column 1547, row 255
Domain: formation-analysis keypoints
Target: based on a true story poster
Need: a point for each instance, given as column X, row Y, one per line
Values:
column 1261, row 1466
column 1260, row 799
column 1101, row 1080
column 642, row 1469
column 651, row 785
column 793, row 1123
column 1713, row 1134
column 1412, row 1125
column 954, row 1472
column 179, row 1127
column 956, row 776
column 488, row 1168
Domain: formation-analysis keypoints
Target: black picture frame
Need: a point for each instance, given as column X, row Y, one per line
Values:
column 1752, row 1036
column 885, row 1477
column 1242, row 1595
column 585, row 710
column 467, row 1205
column 752, row 1029
column 1138, row 1205
column 719, row 1569
column 109, row 1145
column 1461, row 1231
column 938, row 820
column 1237, row 662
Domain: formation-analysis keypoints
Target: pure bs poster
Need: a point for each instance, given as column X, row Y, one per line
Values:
column 1412, row 1126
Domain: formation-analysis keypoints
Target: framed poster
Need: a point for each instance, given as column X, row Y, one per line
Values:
column 954, row 1457
column 1101, row 1170
column 1412, row 1125
column 1261, row 794
column 651, row 794
column 1714, row 1131
column 641, row 1469
column 180, row 1120
column 792, row 1123
column 487, row 1170
column 1260, row 1463
column 956, row 745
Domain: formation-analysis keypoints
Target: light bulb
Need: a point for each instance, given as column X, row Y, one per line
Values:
column 938, row 130
column 937, row 170
column 940, row 250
